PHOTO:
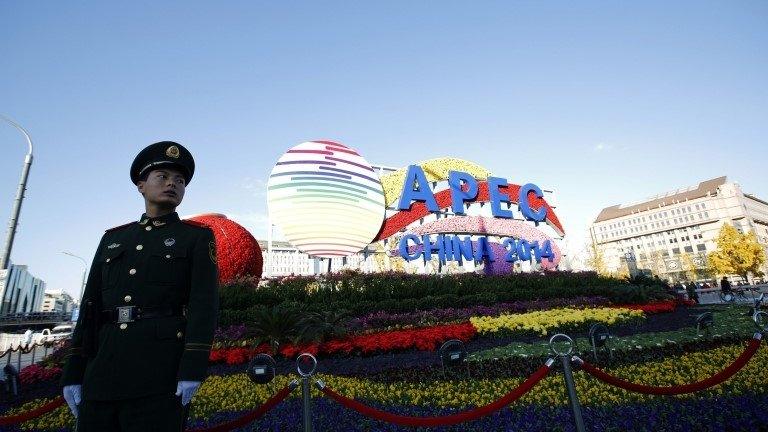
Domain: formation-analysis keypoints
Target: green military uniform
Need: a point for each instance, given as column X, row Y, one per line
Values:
column 148, row 313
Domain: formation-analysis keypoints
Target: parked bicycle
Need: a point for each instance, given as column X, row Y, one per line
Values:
column 737, row 294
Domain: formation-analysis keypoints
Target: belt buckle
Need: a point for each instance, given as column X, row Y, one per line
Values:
column 125, row 314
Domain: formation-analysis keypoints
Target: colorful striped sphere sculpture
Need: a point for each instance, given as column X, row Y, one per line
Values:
column 326, row 199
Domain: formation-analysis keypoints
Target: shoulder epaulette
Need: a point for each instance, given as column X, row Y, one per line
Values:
column 195, row 223
column 119, row 226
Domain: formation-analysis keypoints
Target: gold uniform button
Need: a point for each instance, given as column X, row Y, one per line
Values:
column 179, row 335
column 127, row 299
column 139, row 247
column 132, row 271
column 148, row 228
column 123, row 326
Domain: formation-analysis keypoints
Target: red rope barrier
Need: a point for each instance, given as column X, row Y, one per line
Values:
column 714, row 380
column 252, row 415
column 452, row 419
column 37, row 412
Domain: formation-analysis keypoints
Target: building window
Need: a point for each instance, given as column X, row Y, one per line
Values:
column 688, row 249
column 701, row 248
column 675, row 251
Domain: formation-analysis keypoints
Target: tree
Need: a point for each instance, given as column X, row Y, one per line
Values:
column 656, row 260
column 596, row 259
column 688, row 266
column 736, row 253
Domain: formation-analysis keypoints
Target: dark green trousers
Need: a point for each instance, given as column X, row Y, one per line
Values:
column 157, row 413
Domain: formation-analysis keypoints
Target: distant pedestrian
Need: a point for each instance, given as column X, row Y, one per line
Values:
column 725, row 286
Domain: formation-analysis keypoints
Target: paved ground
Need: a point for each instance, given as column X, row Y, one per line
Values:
column 712, row 297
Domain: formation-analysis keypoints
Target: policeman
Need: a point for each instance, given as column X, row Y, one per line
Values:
column 141, row 343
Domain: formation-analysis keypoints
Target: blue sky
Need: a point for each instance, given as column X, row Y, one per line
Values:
column 605, row 102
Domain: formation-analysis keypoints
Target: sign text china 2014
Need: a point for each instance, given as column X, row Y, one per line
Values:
column 464, row 188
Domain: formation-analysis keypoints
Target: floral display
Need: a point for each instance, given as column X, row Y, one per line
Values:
column 652, row 308
column 237, row 253
column 387, row 355
column 492, row 226
column 379, row 320
column 425, row 339
column 326, row 199
column 235, row 393
column 36, row 373
column 540, row 322
column 434, row 169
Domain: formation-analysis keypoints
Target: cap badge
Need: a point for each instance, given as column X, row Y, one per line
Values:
column 170, row 241
column 173, row 152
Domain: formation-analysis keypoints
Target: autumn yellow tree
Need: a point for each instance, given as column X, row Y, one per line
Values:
column 688, row 266
column 595, row 259
column 736, row 253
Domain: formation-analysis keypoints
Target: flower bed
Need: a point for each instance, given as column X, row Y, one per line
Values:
column 540, row 322
column 36, row 373
column 652, row 308
column 236, row 393
column 383, row 320
column 426, row 339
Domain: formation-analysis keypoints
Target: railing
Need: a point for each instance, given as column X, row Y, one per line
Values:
column 20, row 317
column 22, row 356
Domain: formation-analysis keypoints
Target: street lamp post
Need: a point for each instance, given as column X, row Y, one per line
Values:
column 85, row 270
column 19, row 195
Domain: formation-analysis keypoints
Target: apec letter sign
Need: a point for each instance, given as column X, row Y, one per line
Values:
column 463, row 189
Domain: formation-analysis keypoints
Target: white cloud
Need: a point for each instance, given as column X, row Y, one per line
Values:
column 602, row 147
column 258, row 187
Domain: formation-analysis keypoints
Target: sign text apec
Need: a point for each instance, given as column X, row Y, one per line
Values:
column 464, row 188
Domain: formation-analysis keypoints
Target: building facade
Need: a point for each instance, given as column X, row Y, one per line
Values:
column 282, row 259
column 671, row 234
column 20, row 291
column 57, row 301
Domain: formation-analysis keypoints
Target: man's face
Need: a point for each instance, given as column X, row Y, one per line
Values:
column 163, row 187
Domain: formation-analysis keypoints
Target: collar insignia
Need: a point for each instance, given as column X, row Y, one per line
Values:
column 158, row 223
column 113, row 245
column 143, row 221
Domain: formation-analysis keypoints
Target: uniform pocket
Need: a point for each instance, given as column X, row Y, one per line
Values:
column 112, row 264
column 168, row 267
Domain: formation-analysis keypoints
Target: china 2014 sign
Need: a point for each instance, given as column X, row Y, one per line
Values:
column 463, row 188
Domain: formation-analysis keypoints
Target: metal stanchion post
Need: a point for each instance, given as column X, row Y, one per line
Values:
column 573, row 398
column 305, row 395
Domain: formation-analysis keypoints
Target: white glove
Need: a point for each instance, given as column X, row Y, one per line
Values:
column 186, row 389
column 72, row 396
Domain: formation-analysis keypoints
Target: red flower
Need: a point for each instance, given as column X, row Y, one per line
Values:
column 237, row 253
column 652, row 308
column 35, row 373
column 424, row 339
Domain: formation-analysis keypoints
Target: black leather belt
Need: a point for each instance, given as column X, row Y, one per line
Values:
column 123, row 314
